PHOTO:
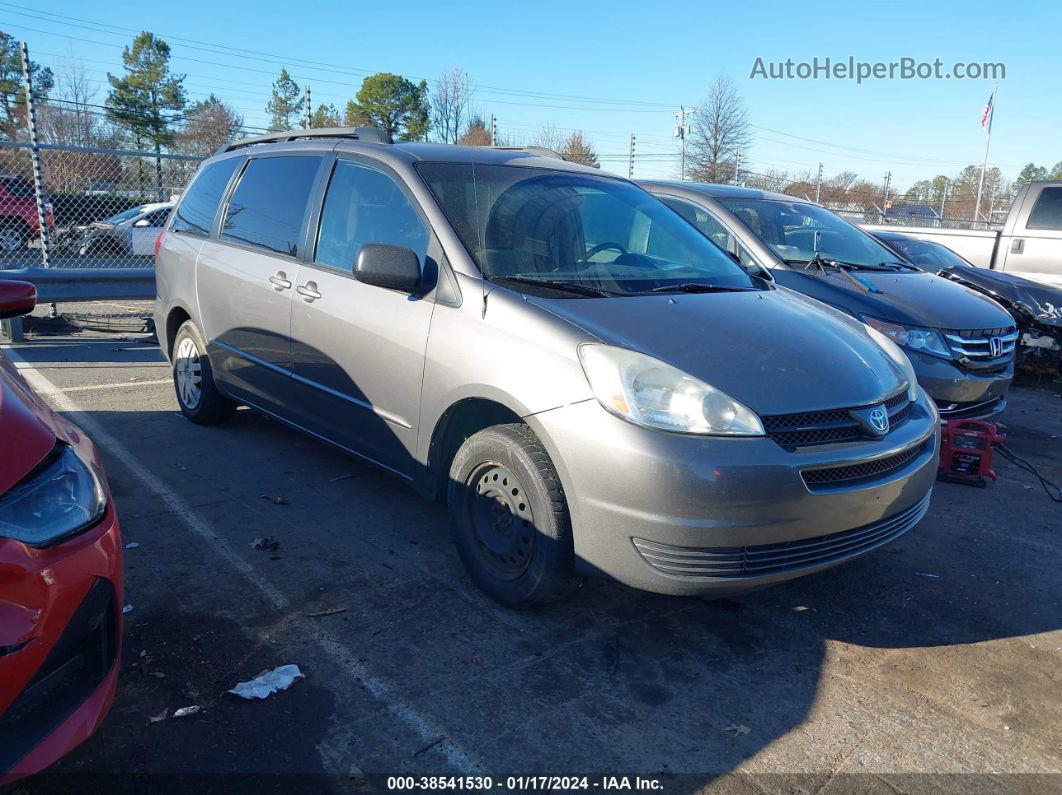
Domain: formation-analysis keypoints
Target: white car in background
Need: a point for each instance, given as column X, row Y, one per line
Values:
column 131, row 232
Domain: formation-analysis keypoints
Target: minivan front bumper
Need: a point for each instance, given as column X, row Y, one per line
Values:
column 686, row 515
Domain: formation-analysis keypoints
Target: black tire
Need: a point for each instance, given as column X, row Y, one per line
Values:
column 211, row 407
column 514, row 536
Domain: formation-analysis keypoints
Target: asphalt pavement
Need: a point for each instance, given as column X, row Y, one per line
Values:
column 932, row 663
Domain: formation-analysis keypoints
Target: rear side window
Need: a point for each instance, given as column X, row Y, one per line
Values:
column 362, row 206
column 268, row 205
column 195, row 214
column 1047, row 214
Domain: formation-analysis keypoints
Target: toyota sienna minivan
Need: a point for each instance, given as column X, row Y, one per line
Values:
column 591, row 384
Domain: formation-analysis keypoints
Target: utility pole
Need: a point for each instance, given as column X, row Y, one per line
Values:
column 943, row 198
column 630, row 160
column 737, row 168
column 885, row 195
column 493, row 130
column 681, row 131
column 307, row 107
column 818, row 184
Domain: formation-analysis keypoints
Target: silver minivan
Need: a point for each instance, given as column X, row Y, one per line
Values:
column 590, row 384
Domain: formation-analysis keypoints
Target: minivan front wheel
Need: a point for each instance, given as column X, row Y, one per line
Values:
column 193, row 379
column 509, row 517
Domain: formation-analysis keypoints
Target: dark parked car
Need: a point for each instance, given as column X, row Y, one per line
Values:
column 1035, row 306
column 960, row 342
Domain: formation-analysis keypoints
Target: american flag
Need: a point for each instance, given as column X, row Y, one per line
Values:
column 986, row 114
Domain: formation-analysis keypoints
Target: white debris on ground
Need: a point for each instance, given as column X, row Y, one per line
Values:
column 268, row 682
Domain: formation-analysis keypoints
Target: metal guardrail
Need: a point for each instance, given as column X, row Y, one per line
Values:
column 91, row 284
column 71, row 286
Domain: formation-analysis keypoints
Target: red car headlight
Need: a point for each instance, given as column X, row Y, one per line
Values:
column 58, row 499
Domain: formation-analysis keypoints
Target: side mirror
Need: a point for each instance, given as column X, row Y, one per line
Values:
column 388, row 266
column 16, row 298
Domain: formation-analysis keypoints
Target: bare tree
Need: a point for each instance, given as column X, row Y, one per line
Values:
column 476, row 134
column 578, row 150
column 208, row 126
column 548, row 137
column 719, row 133
column 70, row 117
column 450, row 102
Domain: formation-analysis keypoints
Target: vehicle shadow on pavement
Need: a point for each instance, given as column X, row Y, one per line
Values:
column 926, row 655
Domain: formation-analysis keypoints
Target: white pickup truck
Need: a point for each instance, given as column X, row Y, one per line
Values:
column 1030, row 243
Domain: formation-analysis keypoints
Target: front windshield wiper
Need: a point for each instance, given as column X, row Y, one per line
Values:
column 700, row 287
column 571, row 287
column 904, row 265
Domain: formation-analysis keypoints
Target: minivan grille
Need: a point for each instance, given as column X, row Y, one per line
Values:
column 780, row 558
column 974, row 347
column 856, row 473
column 833, row 425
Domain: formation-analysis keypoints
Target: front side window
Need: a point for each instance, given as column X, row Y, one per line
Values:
column 789, row 229
column 707, row 223
column 1047, row 214
column 195, row 214
column 364, row 205
column 570, row 228
column 269, row 203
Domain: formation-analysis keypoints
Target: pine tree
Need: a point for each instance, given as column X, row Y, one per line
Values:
column 285, row 104
column 397, row 106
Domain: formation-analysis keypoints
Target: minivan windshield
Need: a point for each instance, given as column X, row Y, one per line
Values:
column 577, row 234
column 789, row 229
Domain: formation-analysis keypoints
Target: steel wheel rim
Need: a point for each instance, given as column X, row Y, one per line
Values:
column 188, row 373
column 501, row 519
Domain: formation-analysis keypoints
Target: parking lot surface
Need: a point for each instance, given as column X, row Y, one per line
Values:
column 940, row 654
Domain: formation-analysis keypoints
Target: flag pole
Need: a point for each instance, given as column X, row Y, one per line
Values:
column 988, row 141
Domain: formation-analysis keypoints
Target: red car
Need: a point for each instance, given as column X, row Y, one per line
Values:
column 19, row 223
column 60, row 576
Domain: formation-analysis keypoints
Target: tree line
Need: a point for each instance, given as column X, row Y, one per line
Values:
column 146, row 107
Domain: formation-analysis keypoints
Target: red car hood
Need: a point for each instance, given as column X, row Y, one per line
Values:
column 28, row 428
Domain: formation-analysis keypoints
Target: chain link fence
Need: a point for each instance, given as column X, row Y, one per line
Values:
column 913, row 219
column 104, row 208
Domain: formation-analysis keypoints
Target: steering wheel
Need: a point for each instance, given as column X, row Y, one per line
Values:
column 602, row 247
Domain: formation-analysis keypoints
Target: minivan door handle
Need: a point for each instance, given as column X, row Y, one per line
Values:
column 280, row 281
column 1017, row 246
column 308, row 291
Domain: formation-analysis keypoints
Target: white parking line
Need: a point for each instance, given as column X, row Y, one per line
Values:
column 93, row 387
column 341, row 656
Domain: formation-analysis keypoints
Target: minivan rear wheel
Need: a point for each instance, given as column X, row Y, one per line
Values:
column 509, row 517
column 193, row 379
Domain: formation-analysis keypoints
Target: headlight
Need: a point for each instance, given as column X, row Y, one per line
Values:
column 60, row 498
column 927, row 340
column 652, row 394
column 897, row 355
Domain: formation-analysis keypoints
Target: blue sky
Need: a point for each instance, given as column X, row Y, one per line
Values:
column 613, row 68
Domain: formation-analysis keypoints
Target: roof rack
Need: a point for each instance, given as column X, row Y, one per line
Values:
column 371, row 134
column 541, row 151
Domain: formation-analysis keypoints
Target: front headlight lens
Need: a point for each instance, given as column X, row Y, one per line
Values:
column 62, row 497
column 926, row 340
column 897, row 355
column 650, row 393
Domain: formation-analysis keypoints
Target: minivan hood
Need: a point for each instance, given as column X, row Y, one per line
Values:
column 773, row 350
column 27, row 427
column 919, row 299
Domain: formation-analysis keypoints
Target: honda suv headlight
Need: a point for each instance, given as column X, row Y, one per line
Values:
column 926, row 340
column 60, row 498
column 899, row 357
column 647, row 392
